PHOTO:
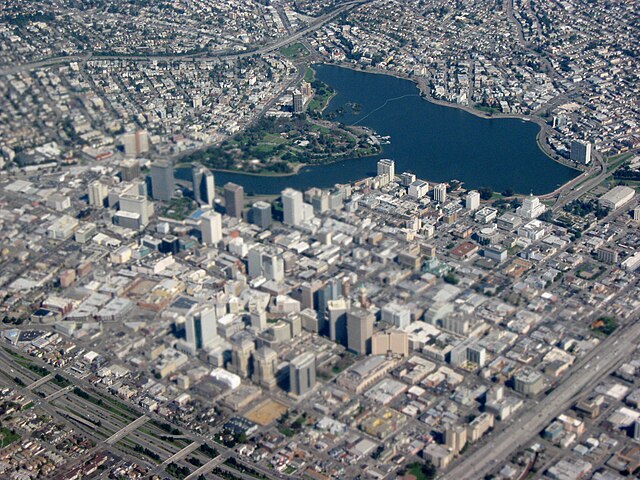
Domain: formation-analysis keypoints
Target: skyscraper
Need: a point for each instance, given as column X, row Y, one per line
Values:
column 298, row 101
column 211, row 227
column 265, row 363
column 388, row 168
column 359, row 330
column 440, row 193
column 472, row 200
column 581, row 152
column 203, row 185
column 98, row 193
column 241, row 352
column 293, row 207
column 234, row 199
column 129, row 170
column 201, row 327
column 260, row 214
column 337, row 316
column 302, row 374
column 135, row 143
column 162, row 181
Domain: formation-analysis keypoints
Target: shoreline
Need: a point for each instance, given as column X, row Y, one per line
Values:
column 424, row 94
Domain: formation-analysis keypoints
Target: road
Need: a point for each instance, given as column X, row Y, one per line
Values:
column 607, row 355
column 319, row 22
column 126, row 430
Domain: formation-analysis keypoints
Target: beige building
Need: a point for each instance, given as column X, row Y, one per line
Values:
column 390, row 342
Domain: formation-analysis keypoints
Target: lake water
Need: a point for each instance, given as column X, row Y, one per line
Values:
column 435, row 142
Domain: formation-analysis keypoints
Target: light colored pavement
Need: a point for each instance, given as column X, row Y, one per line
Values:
column 599, row 362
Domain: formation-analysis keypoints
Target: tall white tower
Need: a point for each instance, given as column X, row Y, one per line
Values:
column 211, row 227
column 293, row 206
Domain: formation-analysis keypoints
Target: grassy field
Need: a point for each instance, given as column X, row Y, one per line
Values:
column 295, row 50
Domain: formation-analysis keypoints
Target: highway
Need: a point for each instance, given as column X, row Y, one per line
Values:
column 319, row 22
column 583, row 376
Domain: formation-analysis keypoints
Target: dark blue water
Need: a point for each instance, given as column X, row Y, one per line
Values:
column 435, row 142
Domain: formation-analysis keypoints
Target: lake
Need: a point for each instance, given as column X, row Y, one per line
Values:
column 437, row 143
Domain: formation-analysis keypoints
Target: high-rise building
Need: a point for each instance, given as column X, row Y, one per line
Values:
column 135, row 143
column 265, row 262
column 98, row 193
column 136, row 204
column 241, row 351
column 130, row 170
column 407, row 178
column 397, row 315
column 337, row 317
column 302, row 374
column 203, row 185
column 162, row 181
column 298, row 101
column 265, row 365
column 211, row 227
column 359, row 330
column 581, row 152
column 387, row 168
column 201, row 327
column 472, row 200
column 234, row 199
column 440, row 193
column 260, row 214
column 293, row 207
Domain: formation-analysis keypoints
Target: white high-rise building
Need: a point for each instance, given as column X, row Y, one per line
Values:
column 472, row 200
column 440, row 193
column 388, row 168
column 531, row 208
column 293, row 206
column 397, row 315
column 265, row 262
column 136, row 204
column 211, row 227
column 135, row 143
column 98, row 192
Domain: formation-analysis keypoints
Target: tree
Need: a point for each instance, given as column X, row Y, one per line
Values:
column 485, row 193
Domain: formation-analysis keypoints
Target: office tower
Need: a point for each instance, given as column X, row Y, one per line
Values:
column 298, row 101
column 203, row 185
column 293, row 207
column 211, row 227
column 455, row 437
column 258, row 319
column 302, row 374
column 265, row 365
column 635, row 214
column 135, row 143
column 407, row 179
column 260, row 214
column 130, row 170
column 359, row 330
column 397, row 315
column 332, row 290
column 135, row 204
column 265, row 262
column 241, row 352
column 98, row 193
column 162, row 181
column 440, row 193
column 387, row 168
column 201, row 327
column 234, row 199
column 472, row 200
column 337, row 318
column 581, row 152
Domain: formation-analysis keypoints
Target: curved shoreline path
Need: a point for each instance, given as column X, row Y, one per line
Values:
column 438, row 143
